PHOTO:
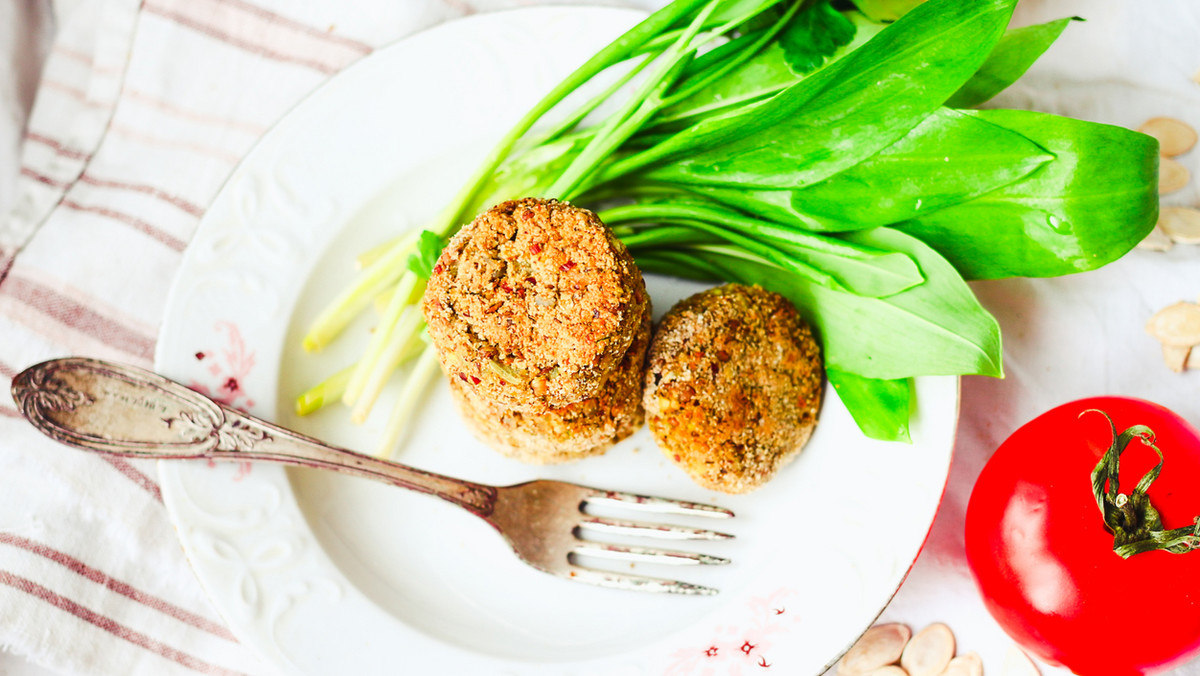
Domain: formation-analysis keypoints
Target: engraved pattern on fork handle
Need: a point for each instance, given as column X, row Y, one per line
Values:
column 111, row 408
column 243, row 437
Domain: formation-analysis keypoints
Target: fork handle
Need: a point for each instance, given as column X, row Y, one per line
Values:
column 112, row 408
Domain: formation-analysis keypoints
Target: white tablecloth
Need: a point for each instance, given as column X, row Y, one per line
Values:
column 1064, row 338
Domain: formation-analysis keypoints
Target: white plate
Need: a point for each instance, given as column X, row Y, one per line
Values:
column 324, row 574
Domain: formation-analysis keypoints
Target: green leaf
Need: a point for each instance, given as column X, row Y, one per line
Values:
column 765, row 74
column 429, row 247
column 876, row 275
column 1087, row 208
column 1013, row 55
column 813, row 36
column 880, row 408
column 863, row 270
column 935, row 328
column 947, row 159
column 843, row 113
column 886, row 10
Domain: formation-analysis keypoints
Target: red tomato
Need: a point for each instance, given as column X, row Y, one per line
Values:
column 1043, row 559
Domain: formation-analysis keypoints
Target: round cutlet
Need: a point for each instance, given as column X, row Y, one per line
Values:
column 533, row 304
column 588, row 427
column 733, row 386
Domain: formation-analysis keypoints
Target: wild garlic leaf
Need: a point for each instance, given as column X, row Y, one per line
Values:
column 880, row 408
column 813, row 36
column 429, row 247
column 948, row 158
column 877, row 275
column 765, row 74
column 935, row 328
column 844, row 112
column 1013, row 55
column 1087, row 208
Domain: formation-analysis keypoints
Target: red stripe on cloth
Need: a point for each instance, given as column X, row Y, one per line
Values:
column 10, row 413
column 7, row 371
column 135, row 475
column 75, row 314
column 57, row 147
column 144, row 189
column 173, row 143
column 41, row 178
column 149, row 600
column 361, row 47
column 216, row 33
column 171, row 242
column 73, row 92
column 172, row 109
column 112, row 626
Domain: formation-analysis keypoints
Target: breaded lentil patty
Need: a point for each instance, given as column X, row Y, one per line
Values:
column 533, row 304
column 733, row 386
column 588, row 427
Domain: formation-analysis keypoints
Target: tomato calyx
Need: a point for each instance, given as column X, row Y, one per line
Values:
column 1132, row 519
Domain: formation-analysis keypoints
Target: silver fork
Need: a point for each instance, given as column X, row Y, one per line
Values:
column 117, row 409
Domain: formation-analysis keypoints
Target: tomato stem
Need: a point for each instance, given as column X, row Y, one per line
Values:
column 1132, row 519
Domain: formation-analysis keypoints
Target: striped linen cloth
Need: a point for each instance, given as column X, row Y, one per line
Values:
column 144, row 108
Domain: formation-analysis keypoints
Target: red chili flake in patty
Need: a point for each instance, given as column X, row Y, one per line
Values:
column 535, row 248
column 462, row 377
column 677, row 458
column 507, row 288
column 527, row 214
column 437, row 269
column 530, row 280
column 567, row 266
column 474, row 380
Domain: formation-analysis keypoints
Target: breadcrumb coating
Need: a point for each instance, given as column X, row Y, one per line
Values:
column 588, row 427
column 733, row 386
column 533, row 304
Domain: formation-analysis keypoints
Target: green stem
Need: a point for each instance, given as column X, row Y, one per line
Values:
column 386, row 269
column 1133, row 520
column 623, row 123
column 400, row 421
column 325, row 392
column 410, row 287
column 617, row 51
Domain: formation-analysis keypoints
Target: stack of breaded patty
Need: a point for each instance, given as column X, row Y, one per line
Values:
column 541, row 321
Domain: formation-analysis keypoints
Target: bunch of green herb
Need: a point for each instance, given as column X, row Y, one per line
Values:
column 816, row 152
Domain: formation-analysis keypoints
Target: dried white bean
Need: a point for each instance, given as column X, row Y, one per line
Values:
column 928, row 653
column 1157, row 240
column 969, row 664
column 1177, row 325
column 1181, row 224
column 880, row 646
column 1176, row 358
column 1172, row 176
column 1175, row 137
column 1017, row 663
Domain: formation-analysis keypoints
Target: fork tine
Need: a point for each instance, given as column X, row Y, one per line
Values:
column 659, row 505
column 653, row 530
column 636, row 582
column 646, row 554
